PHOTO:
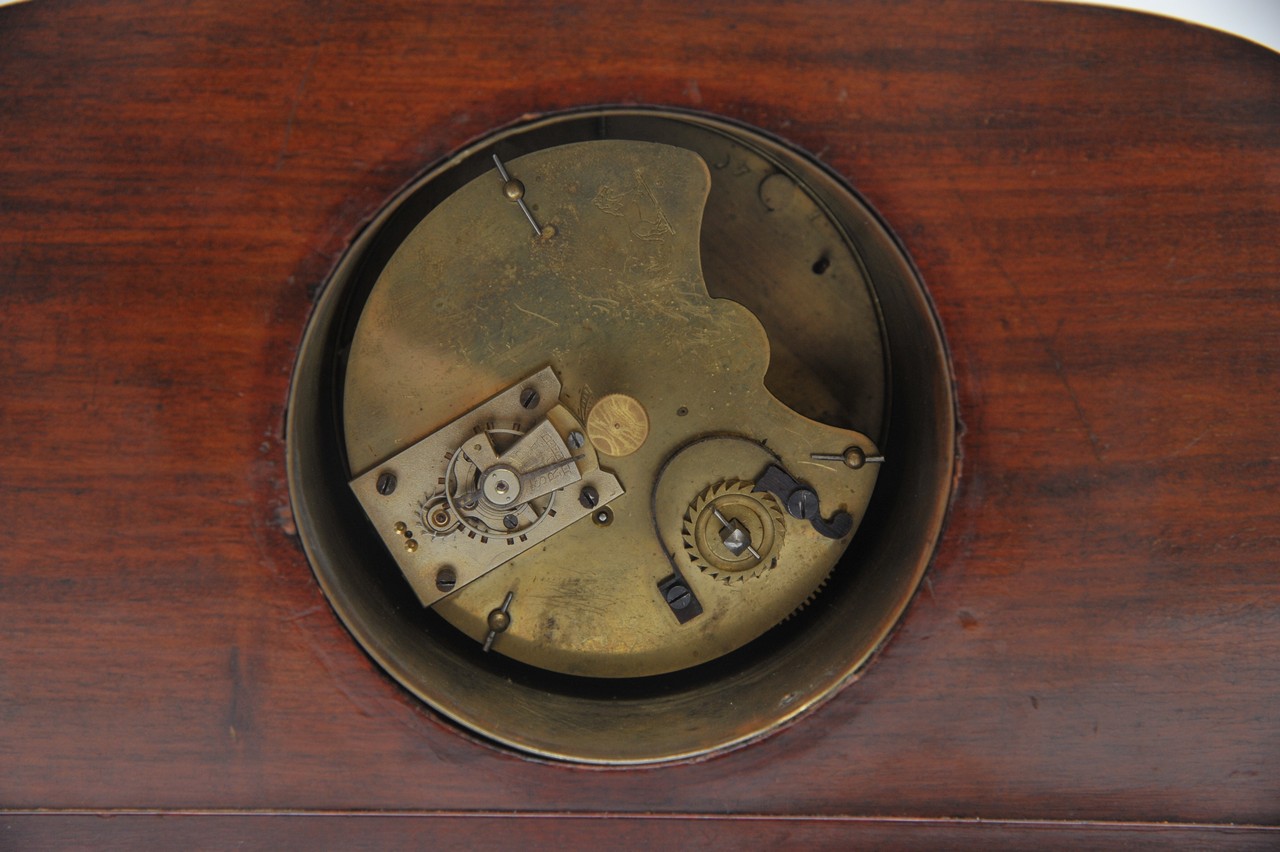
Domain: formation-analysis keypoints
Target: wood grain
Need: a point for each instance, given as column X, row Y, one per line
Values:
column 1092, row 197
column 481, row 832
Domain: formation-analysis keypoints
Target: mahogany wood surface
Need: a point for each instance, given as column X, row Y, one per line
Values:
column 483, row 832
column 1092, row 198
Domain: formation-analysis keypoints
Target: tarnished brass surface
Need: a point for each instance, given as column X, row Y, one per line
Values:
column 610, row 295
column 842, row 334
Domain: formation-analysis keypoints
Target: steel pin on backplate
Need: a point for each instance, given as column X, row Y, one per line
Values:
column 514, row 191
column 499, row 621
column 853, row 457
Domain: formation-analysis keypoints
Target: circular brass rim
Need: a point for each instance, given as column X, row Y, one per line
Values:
column 716, row 706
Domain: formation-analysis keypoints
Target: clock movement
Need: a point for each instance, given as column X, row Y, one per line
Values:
column 622, row 436
column 407, row 446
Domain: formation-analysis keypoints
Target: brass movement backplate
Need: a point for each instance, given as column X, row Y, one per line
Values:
column 609, row 293
column 613, row 395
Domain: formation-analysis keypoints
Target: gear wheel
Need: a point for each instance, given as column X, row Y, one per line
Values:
column 733, row 533
column 435, row 517
column 480, row 520
column 812, row 596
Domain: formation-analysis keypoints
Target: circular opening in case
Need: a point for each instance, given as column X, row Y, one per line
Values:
column 860, row 351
